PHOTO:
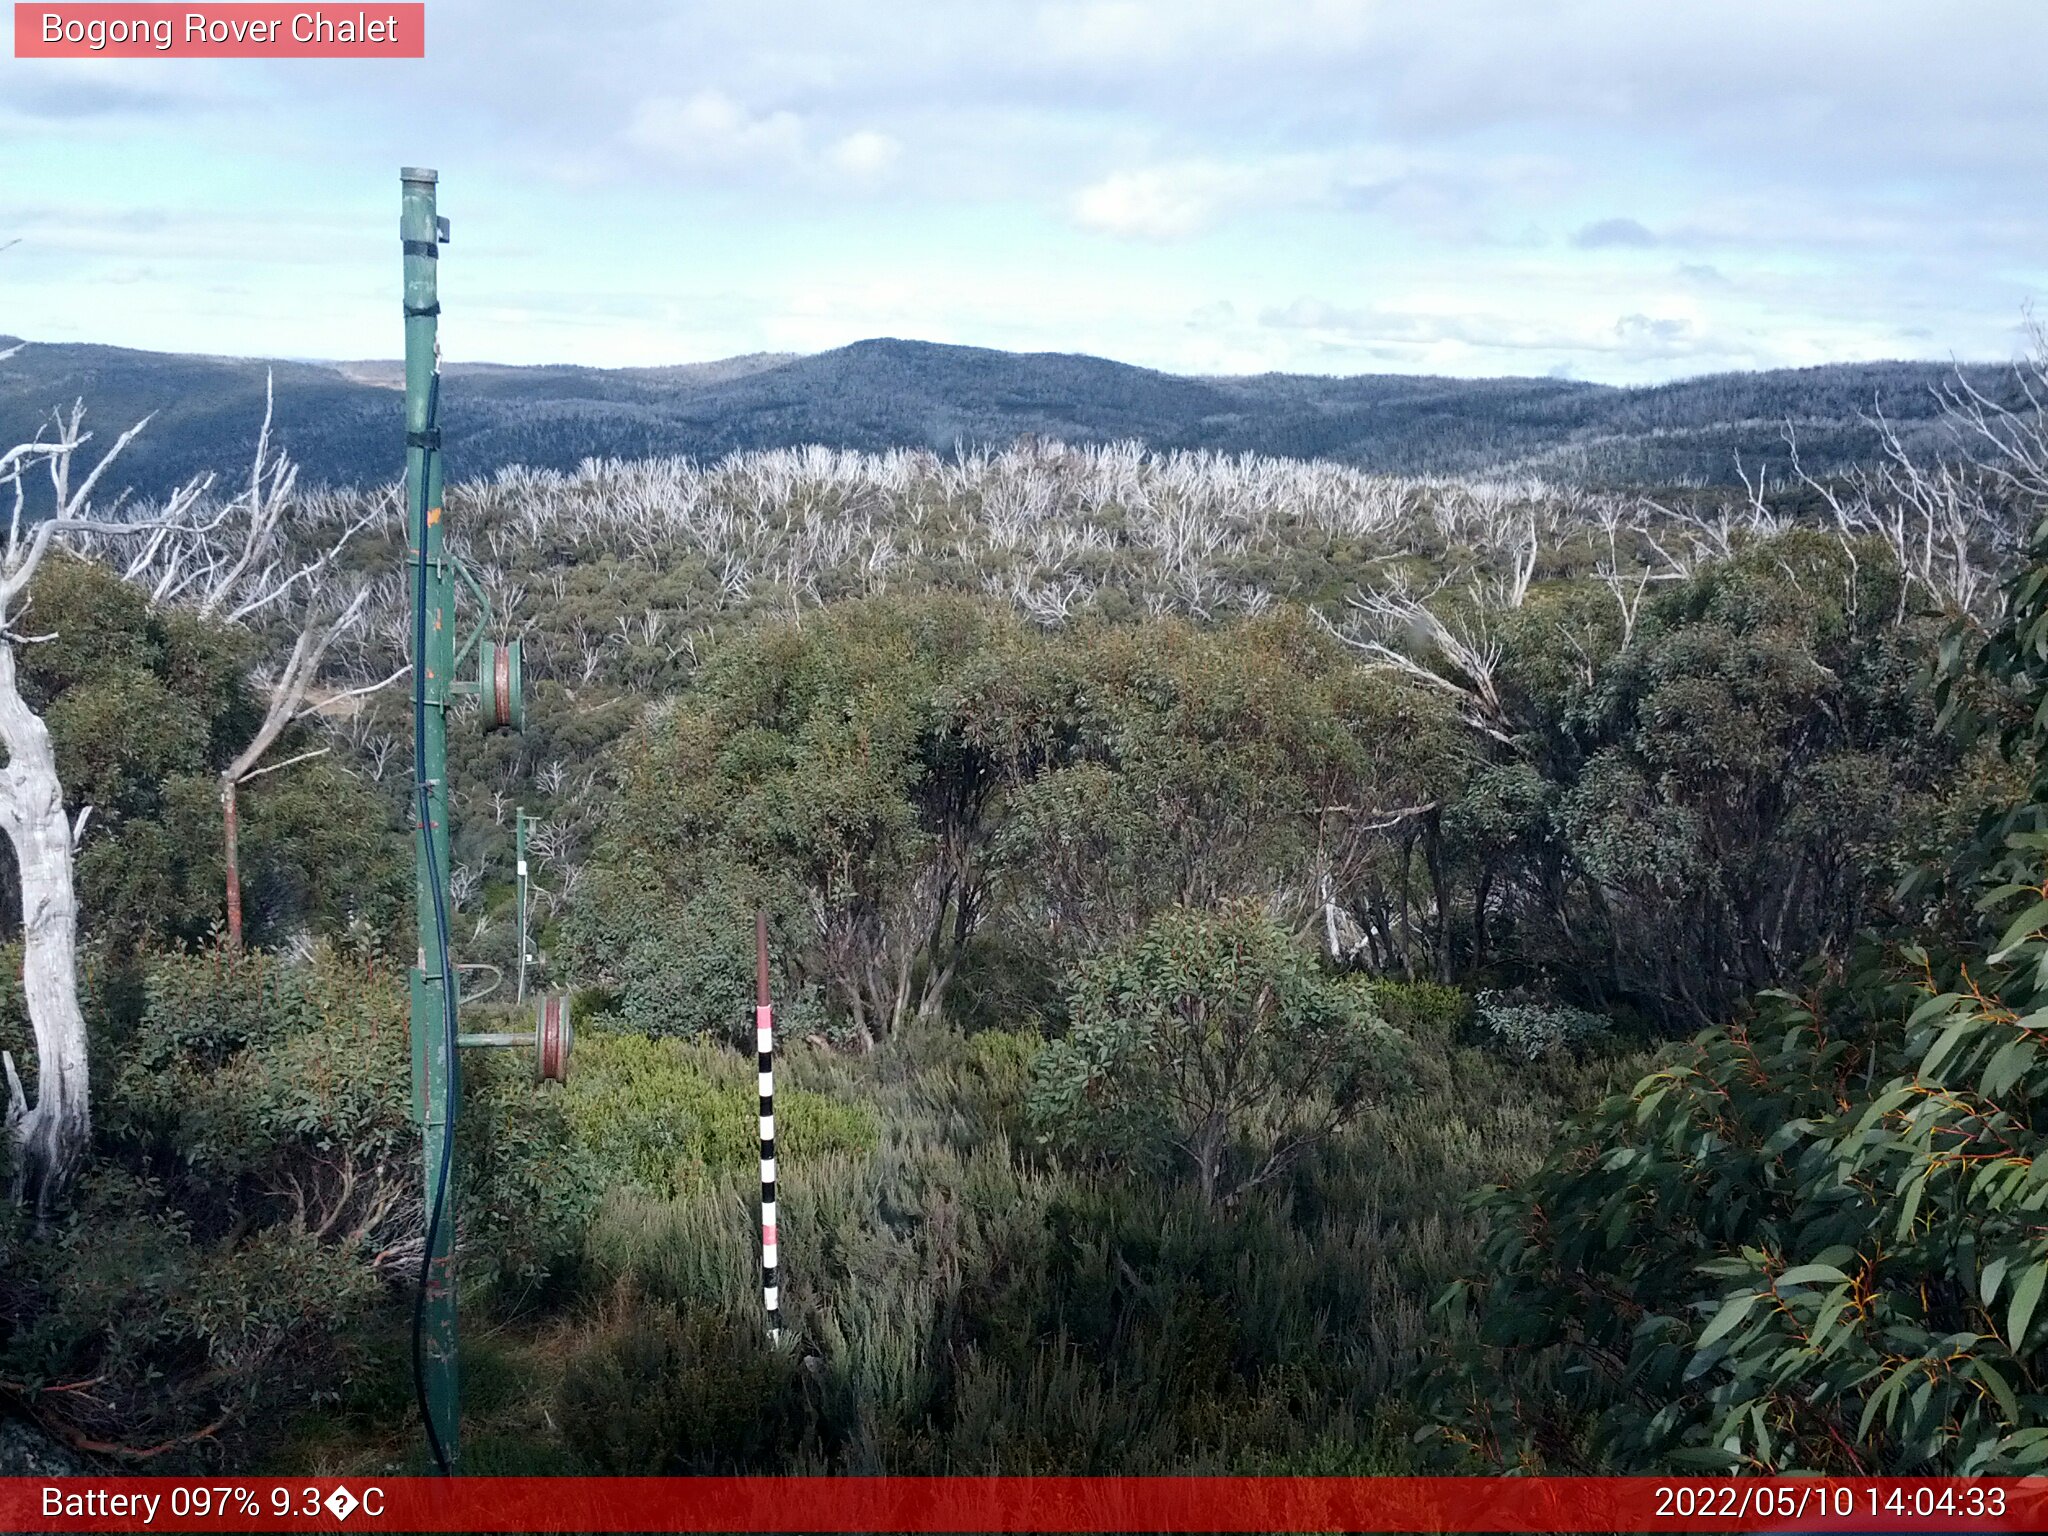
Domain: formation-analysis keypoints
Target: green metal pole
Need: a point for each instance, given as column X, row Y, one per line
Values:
column 433, row 1062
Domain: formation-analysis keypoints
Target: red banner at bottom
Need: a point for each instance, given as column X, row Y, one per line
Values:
column 1006, row 1504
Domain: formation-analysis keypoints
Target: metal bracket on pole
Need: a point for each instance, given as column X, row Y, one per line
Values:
column 550, row 1039
column 483, row 622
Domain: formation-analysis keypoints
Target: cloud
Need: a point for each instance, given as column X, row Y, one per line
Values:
column 711, row 129
column 1474, row 336
column 1466, row 183
column 1612, row 232
column 1161, row 203
column 1640, row 333
column 864, row 155
column 1320, row 315
column 711, row 132
column 1174, row 200
column 99, row 95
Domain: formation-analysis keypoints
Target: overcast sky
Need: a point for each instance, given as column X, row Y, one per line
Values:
column 1610, row 189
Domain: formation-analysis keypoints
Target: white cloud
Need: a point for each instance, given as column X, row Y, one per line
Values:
column 710, row 131
column 1153, row 205
column 1170, row 202
column 1464, row 200
column 1444, row 332
column 710, row 128
column 864, row 155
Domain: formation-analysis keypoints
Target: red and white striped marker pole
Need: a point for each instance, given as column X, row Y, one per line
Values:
column 764, row 1044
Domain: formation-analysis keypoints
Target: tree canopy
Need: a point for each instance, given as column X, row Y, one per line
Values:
column 1811, row 1239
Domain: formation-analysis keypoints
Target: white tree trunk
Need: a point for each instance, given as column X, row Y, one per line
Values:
column 50, row 1137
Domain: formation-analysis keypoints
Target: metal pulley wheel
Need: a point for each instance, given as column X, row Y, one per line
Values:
column 553, row 1035
column 501, row 686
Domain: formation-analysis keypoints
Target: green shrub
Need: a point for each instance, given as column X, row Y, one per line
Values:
column 681, row 965
column 881, row 1251
column 188, row 1340
column 1004, row 982
column 657, row 1390
column 255, row 1202
column 1526, row 1029
column 1808, row 1242
column 818, row 770
column 1002, row 1059
column 663, row 1114
column 1210, row 1038
column 1425, row 1011
column 254, row 1068
column 529, row 1182
column 146, row 704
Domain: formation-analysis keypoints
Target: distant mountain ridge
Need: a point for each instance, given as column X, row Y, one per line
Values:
column 342, row 420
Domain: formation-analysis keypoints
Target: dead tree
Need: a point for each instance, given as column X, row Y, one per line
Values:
column 50, row 1136
column 244, row 567
column 1393, row 627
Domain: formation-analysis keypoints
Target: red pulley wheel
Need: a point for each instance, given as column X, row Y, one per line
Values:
column 500, row 681
column 501, row 686
column 553, row 1036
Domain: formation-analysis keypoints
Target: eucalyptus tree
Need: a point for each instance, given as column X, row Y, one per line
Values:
column 1810, row 1239
column 818, row 769
column 1209, row 1042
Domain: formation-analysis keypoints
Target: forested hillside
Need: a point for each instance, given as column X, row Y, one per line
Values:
column 875, row 395
column 1284, row 967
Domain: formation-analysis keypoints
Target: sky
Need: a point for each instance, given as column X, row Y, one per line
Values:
column 1609, row 190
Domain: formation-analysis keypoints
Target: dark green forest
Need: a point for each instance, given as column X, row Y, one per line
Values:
column 1281, row 968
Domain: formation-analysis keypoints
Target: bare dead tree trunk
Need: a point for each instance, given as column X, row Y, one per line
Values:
column 50, row 1135
column 231, row 828
column 240, row 565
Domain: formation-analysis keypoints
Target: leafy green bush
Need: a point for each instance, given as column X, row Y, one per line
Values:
column 529, row 1182
column 133, row 1329
column 1528, row 1030
column 1164, row 764
column 146, row 704
column 255, row 1079
column 1758, row 742
column 997, row 1071
column 1810, row 1240
column 663, row 1114
column 1210, row 1036
column 658, row 1390
column 816, row 770
column 255, row 1203
column 1422, row 1010
column 682, row 964
column 1806, row 1243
